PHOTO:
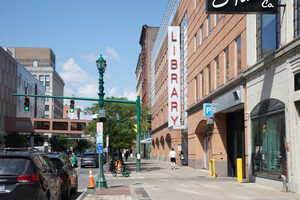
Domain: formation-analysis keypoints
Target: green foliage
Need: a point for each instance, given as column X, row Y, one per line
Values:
column 120, row 131
column 16, row 140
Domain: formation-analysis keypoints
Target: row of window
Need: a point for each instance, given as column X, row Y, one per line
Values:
column 202, row 32
column 32, row 60
column 205, row 78
column 45, row 80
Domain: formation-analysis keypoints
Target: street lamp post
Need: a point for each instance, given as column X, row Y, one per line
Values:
column 101, row 65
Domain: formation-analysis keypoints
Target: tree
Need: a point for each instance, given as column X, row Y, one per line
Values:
column 15, row 140
column 119, row 129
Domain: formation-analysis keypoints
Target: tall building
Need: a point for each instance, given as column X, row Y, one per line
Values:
column 8, row 87
column 246, row 67
column 27, row 82
column 40, row 62
column 147, row 39
column 273, row 96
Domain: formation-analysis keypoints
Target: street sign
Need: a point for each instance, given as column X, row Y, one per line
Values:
column 99, row 147
column 99, row 132
column 209, row 110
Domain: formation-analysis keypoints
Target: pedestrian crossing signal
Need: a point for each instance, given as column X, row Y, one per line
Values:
column 26, row 104
column 135, row 128
column 72, row 106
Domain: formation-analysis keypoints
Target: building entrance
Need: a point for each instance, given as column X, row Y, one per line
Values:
column 235, row 141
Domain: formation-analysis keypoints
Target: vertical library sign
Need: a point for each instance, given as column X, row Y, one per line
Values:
column 241, row 6
column 174, row 104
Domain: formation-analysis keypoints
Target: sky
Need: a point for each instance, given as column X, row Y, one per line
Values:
column 78, row 31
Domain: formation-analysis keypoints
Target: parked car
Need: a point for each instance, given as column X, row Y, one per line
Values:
column 91, row 159
column 67, row 173
column 26, row 173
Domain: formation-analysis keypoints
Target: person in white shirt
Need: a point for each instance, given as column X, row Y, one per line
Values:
column 173, row 158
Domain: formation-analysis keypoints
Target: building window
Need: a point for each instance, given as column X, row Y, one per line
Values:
column 217, row 72
column 208, row 25
column 268, row 139
column 297, row 17
column 226, row 64
column 46, row 107
column 209, row 78
column 201, row 34
column 238, row 54
column 41, row 79
column 202, row 84
column 268, row 34
column 196, row 89
column 67, row 112
column 196, row 3
column 196, row 42
column 297, row 82
column 217, row 19
column 47, row 82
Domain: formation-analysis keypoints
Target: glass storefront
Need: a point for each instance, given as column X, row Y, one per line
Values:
column 268, row 139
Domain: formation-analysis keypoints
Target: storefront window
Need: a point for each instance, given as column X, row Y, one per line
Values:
column 268, row 139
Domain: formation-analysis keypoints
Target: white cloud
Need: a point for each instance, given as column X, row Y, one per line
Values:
column 78, row 81
column 128, row 93
column 91, row 57
column 112, row 92
column 72, row 73
column 112, row 54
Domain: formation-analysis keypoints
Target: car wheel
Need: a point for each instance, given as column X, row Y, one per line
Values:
column 81, row 166
column 47, row 196
column 97, row 166
column 75, row 189
column 67, row 194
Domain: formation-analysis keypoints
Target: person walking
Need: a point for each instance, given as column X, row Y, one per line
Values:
column 74, row 161
column 181, row 158
column 173, row 158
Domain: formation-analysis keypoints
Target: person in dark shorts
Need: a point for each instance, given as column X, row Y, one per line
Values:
column 173, row 158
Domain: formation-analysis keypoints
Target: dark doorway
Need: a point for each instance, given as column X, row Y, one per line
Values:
column 235, row 141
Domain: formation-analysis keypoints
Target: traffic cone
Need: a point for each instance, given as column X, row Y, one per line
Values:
column 91, row 180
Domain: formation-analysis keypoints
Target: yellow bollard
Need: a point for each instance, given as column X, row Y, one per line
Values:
column 212, row 169
column 209, row 168
column 239, row 169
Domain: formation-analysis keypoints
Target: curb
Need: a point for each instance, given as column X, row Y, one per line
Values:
column 83, row 195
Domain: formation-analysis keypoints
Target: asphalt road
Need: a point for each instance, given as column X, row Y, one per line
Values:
column 83, row 179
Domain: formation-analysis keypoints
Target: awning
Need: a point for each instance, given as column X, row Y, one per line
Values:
column 146, row 141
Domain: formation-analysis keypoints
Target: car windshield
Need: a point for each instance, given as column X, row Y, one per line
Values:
column 57, row 163
column 15, row 166
column 90, row 154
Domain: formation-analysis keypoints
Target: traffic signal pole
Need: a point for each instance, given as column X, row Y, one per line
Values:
column 137, row 103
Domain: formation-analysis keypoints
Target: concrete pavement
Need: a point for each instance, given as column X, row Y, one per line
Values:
column 157, row 181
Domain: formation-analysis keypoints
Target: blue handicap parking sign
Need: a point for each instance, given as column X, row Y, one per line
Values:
column 99, row 147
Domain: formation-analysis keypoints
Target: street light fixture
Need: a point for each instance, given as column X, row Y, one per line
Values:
column 101, row 65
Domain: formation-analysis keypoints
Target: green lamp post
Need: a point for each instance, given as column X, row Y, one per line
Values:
column 101, row 65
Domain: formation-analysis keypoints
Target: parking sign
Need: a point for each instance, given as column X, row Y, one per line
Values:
column 208, row 110
column 99, row 147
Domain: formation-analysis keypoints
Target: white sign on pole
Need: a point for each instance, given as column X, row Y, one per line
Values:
column 99, row 132
column 174, row 104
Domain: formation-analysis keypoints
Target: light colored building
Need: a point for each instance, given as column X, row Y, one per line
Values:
column 68, row 115
column 138, row 72
column 40, row 62
column 26, row 81
column 273, row 96
column 8, row 87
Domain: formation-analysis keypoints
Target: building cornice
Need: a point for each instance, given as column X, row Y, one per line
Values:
column 284, row 51
column 207, row 99
column 161, row 127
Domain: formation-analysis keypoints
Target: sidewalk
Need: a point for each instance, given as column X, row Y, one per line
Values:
column 157, row 181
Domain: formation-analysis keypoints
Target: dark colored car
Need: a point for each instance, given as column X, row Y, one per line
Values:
column 91, row 159
column 67, row 173
column 27, row 174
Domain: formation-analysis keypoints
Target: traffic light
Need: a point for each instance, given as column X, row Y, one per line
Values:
column 26, row 104
column 135, row 128
column 72, row 106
